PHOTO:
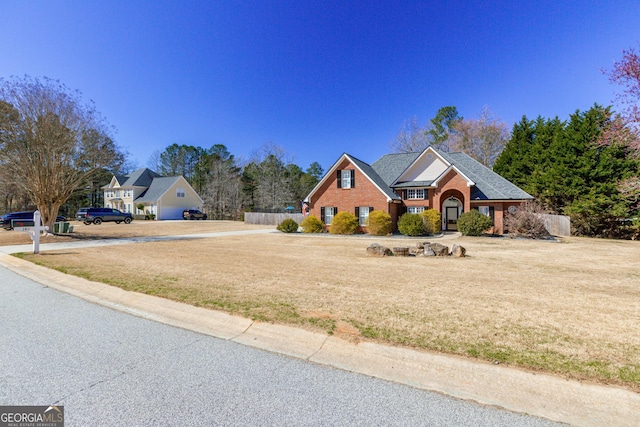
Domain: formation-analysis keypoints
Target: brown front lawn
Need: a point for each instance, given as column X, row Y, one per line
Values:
column 570, row 307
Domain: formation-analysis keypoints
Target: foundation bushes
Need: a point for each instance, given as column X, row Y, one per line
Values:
column 379, row 223
column 411, row 225
column 432, row 221
column 288, row 226
column 312, row 224
column 473, row 223
column 344, row 223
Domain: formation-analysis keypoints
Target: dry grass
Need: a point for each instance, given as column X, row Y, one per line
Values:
column 571, row 308
column 109, row 230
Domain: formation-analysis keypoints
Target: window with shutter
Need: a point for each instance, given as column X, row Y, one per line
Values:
column 328, row 213
column 347, row 178
column 363, row 214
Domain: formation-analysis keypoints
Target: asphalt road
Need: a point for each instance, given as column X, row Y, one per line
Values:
column 109, row 368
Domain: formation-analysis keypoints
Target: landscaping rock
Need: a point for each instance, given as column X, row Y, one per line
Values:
column 378, row 250
column 439, row 249
column 428, row 251
column 418, row 250
column 401, row 251
column 458, row 251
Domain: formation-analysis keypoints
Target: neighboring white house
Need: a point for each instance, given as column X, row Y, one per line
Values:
column 163, row 196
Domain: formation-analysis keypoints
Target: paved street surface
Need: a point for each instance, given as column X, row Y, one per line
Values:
column 109, row 368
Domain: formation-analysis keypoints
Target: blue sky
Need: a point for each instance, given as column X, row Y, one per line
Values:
column 318, row 78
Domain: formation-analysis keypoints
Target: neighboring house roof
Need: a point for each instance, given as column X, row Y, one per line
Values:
column 155, row 185
column 158, row 187
column 121, row 178
column 385, row 172
column 140, row 178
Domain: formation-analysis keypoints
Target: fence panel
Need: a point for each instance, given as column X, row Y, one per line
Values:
column 557, row 225
column 263, row 218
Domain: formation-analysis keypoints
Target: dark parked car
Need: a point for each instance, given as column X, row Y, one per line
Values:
column 6, row 219
column 193, row 214
column 100, row 215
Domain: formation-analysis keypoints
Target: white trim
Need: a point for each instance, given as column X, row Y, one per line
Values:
column 428, row 149
column 470, row 183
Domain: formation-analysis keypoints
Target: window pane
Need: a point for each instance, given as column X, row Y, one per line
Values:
column 364, row 214
column 415, row 193
column 328, row 215
column 346, row 178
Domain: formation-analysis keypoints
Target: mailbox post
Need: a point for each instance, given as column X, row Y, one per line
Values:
column 34, row 231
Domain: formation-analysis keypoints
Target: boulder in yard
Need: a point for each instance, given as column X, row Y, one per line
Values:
column 439, row 249
column 428, row 251
column 378, row 250
column 458, row 251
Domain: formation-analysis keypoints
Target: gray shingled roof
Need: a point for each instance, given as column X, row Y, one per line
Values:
column 158, row 187
column 139, row 178
column 375, row 177
column 410, row 184
column 390, row 166
column 489, row 185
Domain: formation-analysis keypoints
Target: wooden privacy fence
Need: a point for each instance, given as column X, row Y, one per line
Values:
column 557, row 225
column 264, row 218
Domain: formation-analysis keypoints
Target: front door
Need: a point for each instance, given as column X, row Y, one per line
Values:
column 452, row 218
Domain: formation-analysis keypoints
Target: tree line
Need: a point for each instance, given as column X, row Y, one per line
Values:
column 267, row 182
column 57, row 152
column 564, row 167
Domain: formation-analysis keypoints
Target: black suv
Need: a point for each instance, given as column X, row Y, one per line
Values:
column 6, row 219
column 193, row 214
column 100, row 215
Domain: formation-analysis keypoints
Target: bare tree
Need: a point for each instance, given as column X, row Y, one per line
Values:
column 269, row 177
column 411, row 137
column 624, row 128
column 51, row 144
column 483, row 139
column 153, row 162
column 223, row 189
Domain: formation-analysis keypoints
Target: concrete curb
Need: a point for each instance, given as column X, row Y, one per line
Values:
column 536, row 394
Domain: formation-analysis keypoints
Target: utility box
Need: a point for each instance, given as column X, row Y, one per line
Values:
column 61, row 227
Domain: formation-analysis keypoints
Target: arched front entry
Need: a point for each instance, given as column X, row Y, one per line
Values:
column 452, row 208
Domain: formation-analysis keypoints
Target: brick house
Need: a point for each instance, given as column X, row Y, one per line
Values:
column 452, row 183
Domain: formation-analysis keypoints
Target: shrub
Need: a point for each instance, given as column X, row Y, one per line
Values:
column 312, row 224
column 379, row 223
column 526, row 221
column 411, row 225
column 344, row 223
column 473, row 223
column 432, row 221
column 288, row 226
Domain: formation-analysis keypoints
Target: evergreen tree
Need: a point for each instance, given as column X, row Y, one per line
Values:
column 561, row 165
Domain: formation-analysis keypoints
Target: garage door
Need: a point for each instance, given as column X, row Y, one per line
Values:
column 167, row 212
